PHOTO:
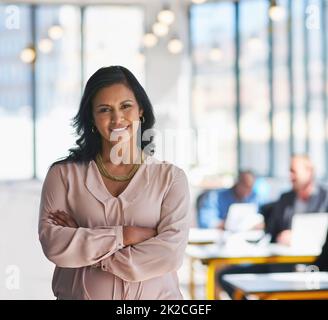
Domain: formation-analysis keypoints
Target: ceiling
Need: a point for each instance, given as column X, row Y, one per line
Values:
column 76, row 1
column 81, row 2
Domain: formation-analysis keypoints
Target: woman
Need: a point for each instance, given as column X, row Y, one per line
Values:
column 112, row 218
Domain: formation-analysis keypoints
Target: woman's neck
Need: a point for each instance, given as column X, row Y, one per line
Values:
column 124, row 153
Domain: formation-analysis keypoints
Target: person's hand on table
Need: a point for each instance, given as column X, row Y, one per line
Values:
column 220, row 225
column 259, row 226
column 285, row 237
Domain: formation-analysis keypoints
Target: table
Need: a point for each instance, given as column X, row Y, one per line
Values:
column 204, row 236
column 218, row 257
column 214, row 235
column 289, row 285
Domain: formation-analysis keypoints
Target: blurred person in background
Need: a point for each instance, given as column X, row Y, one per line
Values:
column 213, row 205
column 306, row 196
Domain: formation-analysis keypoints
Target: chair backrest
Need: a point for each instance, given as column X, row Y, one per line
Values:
column 266, row 210
column 199, row 203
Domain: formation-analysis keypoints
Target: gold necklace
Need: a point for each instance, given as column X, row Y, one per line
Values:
column 102, row 169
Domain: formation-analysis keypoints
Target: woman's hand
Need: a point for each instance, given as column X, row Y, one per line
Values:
column 131, row 235
column 134, row 235
column 61, row 218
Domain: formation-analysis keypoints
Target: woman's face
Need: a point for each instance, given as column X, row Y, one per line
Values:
column 116, row 113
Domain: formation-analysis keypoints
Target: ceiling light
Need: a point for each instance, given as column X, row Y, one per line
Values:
column 141, row 58
column 254, row 42
column 149, row 40
column 175, row 46
column 276, row 13
column 198, row 1
column 166, row 16
column 28, row 55
column 216, row 54
column 55, row 32
column 160, row 29
column 45, row 45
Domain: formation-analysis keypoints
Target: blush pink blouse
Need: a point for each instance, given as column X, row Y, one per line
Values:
column 156, row 197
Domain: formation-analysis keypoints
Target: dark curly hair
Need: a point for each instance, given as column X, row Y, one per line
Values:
column 89, row 143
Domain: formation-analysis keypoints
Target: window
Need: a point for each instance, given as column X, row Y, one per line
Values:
column 58, row 83
column 15, row 95
column 255, row 103
column 283, row 87
column 58, row 74
column 213, row 96
column 105, row 46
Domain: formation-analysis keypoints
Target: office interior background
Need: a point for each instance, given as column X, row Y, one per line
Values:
column 253, row 73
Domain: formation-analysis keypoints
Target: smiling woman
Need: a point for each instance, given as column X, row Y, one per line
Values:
column 117, row 120
column 114, row 219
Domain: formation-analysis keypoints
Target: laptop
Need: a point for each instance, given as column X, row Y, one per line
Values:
column 242, row 217
column 309, row 231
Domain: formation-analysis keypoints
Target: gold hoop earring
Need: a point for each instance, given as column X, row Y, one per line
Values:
column 142, row 119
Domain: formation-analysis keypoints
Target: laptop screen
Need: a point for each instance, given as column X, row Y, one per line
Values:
column 309, row 230
column 242, row 217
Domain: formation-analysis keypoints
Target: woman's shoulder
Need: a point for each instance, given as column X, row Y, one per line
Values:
column 64, row 167
column 164, row 168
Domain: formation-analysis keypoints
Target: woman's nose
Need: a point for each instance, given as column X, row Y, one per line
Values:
column 117, row 117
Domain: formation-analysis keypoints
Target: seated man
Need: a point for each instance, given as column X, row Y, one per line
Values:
column 306, row 196
column 214, row 205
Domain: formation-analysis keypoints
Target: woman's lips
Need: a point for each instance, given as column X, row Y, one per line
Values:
column 119, row 129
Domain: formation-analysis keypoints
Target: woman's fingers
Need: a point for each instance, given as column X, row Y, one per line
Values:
column 58, row 221
column 66, row 217
column 63, row 219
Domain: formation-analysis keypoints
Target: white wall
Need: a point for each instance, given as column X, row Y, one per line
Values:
column 168, row 76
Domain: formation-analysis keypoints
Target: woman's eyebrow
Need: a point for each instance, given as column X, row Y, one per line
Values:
column 108, row 105
column 128, row 100
column 103, row 105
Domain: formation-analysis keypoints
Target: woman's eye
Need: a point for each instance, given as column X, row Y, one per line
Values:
column 104, row 109
column 125, row 106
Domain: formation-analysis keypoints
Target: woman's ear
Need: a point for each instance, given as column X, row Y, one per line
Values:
column 141, row 112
